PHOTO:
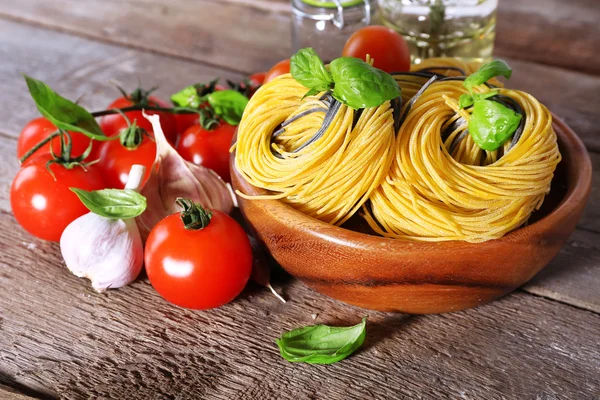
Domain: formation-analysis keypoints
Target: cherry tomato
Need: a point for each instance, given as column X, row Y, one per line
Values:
column 282, row 67
column 40, row 128
column 45, row 206
column 184, row 121
column 258, row 78
column 384, row 45
column 208, row 148
column 202, row 268
column 116, row 160
column 113, row 123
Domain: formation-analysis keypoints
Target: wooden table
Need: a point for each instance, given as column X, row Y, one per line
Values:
column 61, row 339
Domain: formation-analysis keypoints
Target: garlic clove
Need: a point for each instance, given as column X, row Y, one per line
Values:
column 172, row 177
column 108, row 252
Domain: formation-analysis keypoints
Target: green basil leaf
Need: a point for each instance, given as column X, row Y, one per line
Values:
column 321, row 344
column 307, row 68
column 491, row 124
column 62, row 112
column 360, row 85
column 467, row 100
column 487, row 72
column 228, row 104
column 113, row 203
column 187, row 97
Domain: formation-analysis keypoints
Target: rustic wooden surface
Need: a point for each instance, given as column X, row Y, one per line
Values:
column 58, row 338
column 187, row 29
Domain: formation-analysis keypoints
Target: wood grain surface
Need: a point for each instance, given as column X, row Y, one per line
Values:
column 194, row 29
column 9, row 393
column 58, row 338
column 551, row 32
column 213, row 32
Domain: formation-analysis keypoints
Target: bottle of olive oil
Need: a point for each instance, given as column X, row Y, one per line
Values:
column 444, row 28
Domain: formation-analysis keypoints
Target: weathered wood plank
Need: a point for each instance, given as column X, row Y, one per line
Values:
column 545, row 31
column 553, row 32
column 58, row 335
column 8, row 393
column 9, row 167
column 591, row 215
column 568, row 94
column 573, row 277
column 228, row 35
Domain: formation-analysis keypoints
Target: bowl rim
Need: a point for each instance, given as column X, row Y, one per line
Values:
column 573, row 151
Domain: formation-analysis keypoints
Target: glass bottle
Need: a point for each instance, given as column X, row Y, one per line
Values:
column 325, row 25
column 443, row 28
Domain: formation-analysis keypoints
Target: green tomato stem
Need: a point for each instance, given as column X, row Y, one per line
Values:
column 193, row 216
column 139, row 107
column 38, row 146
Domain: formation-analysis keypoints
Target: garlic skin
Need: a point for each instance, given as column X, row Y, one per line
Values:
column 109, row 252
column 172, row 177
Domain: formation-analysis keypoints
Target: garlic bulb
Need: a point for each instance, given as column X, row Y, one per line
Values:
column 172, row 177
column 109, row 252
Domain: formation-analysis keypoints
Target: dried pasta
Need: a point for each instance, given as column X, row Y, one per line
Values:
column 416, row 172
column 316, row 154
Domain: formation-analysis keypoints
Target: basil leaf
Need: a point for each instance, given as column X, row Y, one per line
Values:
column 61, row 112
column 187, row 97
column 491, row 124
column 113, row 203
column 192, row 96
column 307, row 68
column 487, row 72
column 467, row 100
column 321, row 344
column 228, row 104
column 360, row 85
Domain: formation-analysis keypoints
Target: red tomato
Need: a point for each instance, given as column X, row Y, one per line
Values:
column 202, row 268
column 258, row 78
column 208, row 148
column 116, row 160
column 45, row 206
column 282, row 67
column 113, row 123
column 384, row 45
column 40, row 128
column 184, row 121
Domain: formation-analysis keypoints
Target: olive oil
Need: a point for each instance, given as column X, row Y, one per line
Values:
column 463, row 29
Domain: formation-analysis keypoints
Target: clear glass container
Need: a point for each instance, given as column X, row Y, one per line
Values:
column 325, row 25
column 443, row 28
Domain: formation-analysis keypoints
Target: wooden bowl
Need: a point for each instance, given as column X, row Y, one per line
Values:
column 420, row 277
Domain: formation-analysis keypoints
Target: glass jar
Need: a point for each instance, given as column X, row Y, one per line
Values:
column 325, row 25
column 443, row 28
